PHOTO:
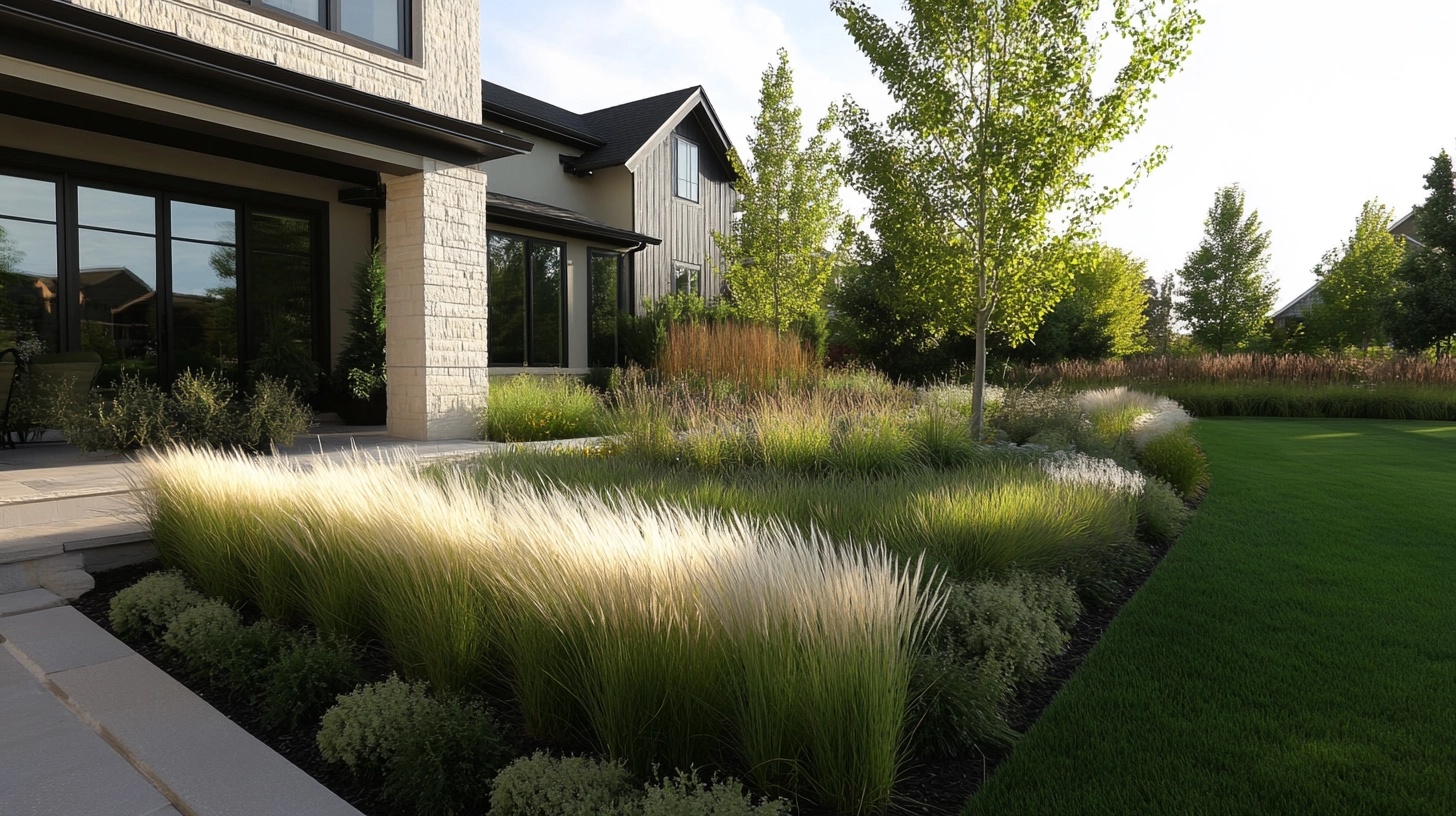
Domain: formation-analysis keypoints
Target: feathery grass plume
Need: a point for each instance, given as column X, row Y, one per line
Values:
column 1166, row 420
column 661, row 633
column 1249, row 368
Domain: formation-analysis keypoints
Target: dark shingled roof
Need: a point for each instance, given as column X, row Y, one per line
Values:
column 520, row 212
column 607, row 137
column 625, row 128
column 531, row 114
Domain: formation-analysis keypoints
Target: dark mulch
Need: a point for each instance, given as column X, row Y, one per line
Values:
column 935, row 789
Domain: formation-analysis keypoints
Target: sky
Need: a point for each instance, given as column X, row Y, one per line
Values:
column 1312, row 106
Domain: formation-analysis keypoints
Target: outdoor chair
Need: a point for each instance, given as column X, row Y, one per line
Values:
column 66, row 375
column 9, row 363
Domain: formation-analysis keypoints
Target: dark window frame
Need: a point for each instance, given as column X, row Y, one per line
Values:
column 677, row 178
column 528, row 324
column 410, row 26
column 624, row 295
column 68, row 174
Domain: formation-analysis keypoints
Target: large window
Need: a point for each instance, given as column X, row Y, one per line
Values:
column 527, row 301
column 382, row 22
column 685, row 168
column 606, row 293
column 153, row 281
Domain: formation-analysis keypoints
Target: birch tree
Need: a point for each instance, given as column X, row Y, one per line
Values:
column 976, row 181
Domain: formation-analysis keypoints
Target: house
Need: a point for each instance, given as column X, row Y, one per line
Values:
column 609, row 209
column 256, row 149
column 1297, row 310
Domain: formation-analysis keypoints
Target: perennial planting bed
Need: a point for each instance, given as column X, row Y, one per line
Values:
column 842, row 601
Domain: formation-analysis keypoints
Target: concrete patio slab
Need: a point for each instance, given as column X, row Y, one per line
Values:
column 208, row 764
column 52, row 764
column 30, row 600
column 54, row 640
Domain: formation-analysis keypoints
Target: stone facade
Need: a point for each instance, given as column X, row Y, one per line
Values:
column 435, row 302
column 444, row 79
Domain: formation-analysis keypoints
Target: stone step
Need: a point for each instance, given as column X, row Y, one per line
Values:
column 52, row 508
column 195, row 758
column 60, row 555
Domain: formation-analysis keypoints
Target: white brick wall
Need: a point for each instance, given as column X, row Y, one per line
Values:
column 446, row 79
column 435, row 302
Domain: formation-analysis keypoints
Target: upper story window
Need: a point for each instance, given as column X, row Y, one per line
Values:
column 685, row 168
column 384, row 23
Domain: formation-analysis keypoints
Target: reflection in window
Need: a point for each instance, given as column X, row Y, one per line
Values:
column 29, row 270
column 312, row 10
column 118, row 296
column 604, row 287
column 685, row 168
column 686, row 278
column 527, row 301
column 204, row 288
column 280, row 298
column 375, row 20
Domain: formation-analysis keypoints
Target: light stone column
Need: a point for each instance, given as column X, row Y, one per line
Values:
column 435, row 302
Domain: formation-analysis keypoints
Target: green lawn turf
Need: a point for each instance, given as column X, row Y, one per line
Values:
column 1294, row 654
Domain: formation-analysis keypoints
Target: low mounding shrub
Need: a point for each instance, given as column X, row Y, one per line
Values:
column 274, row 416
column 1177, row 459
column 306, row 679
column 136, row 417
column 1024, row 413
column 1162, row 515
column 204, row 638
column 543, row 785
column 145, row 609
column 436, row 754
column 528, row 408
column 1016, row 623
column 686, row 795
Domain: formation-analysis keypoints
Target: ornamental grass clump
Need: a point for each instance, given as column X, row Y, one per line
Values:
column 658, row 633
column 528, row 408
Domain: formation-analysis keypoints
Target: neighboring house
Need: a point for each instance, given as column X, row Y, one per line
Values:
column 1297, row 310
column 611, row 208
column 243, row 156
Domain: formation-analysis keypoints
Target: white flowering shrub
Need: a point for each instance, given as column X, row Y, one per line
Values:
column 1078, row 468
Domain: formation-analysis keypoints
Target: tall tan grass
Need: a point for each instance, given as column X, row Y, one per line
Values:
column 1295, row 369
column 660, row 633
column 746, row 357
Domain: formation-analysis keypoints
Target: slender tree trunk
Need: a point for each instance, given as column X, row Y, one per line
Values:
column 978, row 389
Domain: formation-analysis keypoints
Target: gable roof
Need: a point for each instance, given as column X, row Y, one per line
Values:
column 616, row 135
column 521, row 212
column 1298, row 306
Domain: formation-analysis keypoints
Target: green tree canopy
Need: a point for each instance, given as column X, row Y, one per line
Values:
column 1356, row 281
column 777, row 258
column 1102, row 316
column 975, row 182
column 1225, row 285
column 1422, row 312
column 1158, row 314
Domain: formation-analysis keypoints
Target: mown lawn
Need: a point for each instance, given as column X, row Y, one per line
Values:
column 1294, row 654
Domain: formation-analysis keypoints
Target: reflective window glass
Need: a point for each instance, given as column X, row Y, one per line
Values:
column 118, row 300
column 547, row 288
column 506, row 326
column 109, row 209
column 308, row 9
column 202, row 223
column 29, row 280
column 204, row 306
column 604, row 293
column 280, row 298
column 374, row 20
column 27, row 198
